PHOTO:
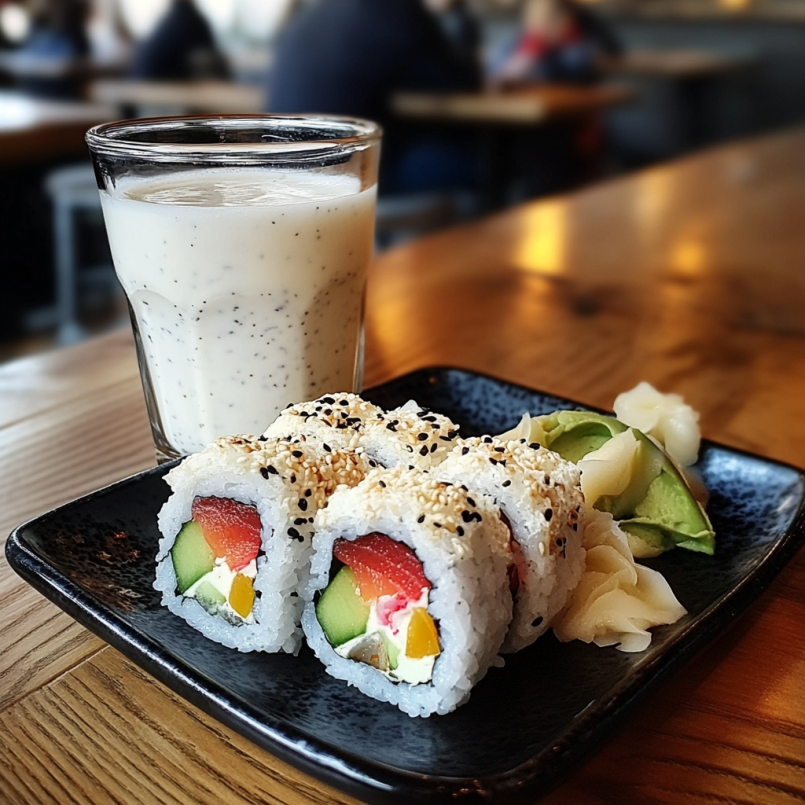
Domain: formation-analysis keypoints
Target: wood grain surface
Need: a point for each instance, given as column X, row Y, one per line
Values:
column 689, row 276
column 521, row 106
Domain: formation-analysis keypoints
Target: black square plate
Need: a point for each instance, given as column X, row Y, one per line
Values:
column 524, row 726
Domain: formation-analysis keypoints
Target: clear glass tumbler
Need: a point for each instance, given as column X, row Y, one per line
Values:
column 242, row 244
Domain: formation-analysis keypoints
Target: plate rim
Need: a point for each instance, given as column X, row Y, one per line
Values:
column 375, row 781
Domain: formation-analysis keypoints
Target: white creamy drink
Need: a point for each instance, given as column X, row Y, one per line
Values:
column 247, row 289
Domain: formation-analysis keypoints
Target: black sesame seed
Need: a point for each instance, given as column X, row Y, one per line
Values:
column 548, row 515
column 437, row 525
column 262, row 438
column 460, row 531
column 327, row 411
column 465, row 450
column 446, row 438
column 327, row 448
column 507, row 482
column 422, row 436
column 372, row 463
column 471, row 502
column 264, row 472
column 383, row 484
column 343, row 402
column 433, row 447
column 272, row 470
column 424, row 450
column 303, row 504
column 537, row 621
column 297, row 454
column 487, row 440
column 421, row 518
column 575, row 526
column 293, row 479
column 535, row 445
column 493, row 461
column 391, row 427
column 466, row 516
column 300, row 521
column 292, row 532
column 327, row 400
column 410, row 449
column 308, row 492
column 500, row 449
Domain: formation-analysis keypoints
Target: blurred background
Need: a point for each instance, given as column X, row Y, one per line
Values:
column 485, row 104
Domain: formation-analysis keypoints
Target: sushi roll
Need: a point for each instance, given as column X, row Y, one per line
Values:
column 408, row 597
column 409, row 435
column 336, row 420
column 237, row 532
column 540, row 502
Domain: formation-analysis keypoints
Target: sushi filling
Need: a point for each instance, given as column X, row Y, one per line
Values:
column 375, row 609
column 215, row 558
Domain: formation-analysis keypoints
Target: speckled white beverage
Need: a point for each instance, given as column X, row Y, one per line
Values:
column 246, row 290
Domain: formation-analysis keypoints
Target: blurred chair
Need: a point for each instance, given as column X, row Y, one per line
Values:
column 74, row 193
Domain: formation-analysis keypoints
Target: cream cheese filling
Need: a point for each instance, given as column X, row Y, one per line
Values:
column 221, row 577
column 414, row 671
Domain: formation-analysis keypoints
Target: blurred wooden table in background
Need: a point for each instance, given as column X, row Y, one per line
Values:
column 179, row 97
column 688, row 276
column 522, row 106
column 38, row 131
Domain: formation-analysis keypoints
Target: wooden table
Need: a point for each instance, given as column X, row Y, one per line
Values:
column 37, row 131
column 676, row 64
column 179, row 97
column 689, row 276
column 525, row 106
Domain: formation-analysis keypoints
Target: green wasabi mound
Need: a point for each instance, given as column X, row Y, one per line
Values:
column 656, row 508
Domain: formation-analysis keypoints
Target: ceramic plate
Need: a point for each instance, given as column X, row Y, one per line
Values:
column 525, row 725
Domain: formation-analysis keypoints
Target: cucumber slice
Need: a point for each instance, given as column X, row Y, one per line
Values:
column 342, row 613
column 392, row 652
column 192, row 556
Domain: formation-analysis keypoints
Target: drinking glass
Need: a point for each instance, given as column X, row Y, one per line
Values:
column 242, row 244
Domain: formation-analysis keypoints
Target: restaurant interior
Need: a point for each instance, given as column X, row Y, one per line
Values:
column 573, row 196
column 490, row 124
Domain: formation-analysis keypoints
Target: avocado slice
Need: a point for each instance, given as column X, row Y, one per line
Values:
column 342, row 613
column 192, row 556
column 210, row 597
column 657, row 507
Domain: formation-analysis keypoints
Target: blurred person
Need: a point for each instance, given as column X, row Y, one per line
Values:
column 48, row 58
column 349, row 57
column 110, row 41
column 560, row 42
column 181, row 47
column 460, row 26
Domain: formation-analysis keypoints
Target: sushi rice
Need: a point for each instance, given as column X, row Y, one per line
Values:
column 540, row 495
